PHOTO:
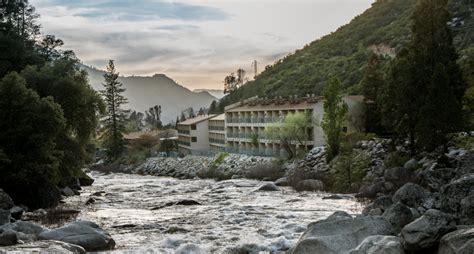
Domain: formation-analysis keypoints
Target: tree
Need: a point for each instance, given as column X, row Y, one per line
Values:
column 167, row 145
column 29, row 127
column 335, row 110
column 424, row 95
column 294, row 128
column 201, row 112
column 372, row 84
column 213, row 107
column 153, row 117
column 230, row 83
column 48, row 47
column 114, row 122
column 191, row 113
column 183, row 117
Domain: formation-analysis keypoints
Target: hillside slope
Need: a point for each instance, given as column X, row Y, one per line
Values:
column 384, row 28
column 145, row 92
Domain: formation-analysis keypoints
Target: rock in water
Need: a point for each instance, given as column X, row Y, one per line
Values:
column 411, row 195
column 17, row 212
column 83, row 233
column 85, row 180
column 7, row 237
column 5, row 201
column 187, row 202
column 268, row 187
column 26, row 231
column 424, row 233
column 282, row 182
column 458, row 242
column 379, row 244
column 68, row 192
column 55, row 247
column 340, row 235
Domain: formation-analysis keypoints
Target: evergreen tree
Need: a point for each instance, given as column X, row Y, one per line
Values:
column 191, row 113
column 115, row 120
column 372, row 84
column 335, row 110
column 424, row 95
column 201, row 112
column 183, row 117
column 213, row 107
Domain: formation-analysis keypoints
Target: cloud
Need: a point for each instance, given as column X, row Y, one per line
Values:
column 138, row 10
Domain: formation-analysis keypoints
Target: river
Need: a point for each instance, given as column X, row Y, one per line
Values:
column 232, row 217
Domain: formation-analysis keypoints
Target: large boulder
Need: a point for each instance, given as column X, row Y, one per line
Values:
column 378, row 244
column 435, row 178
column 5, row 201
column 458, row 242
column 310, row 185
column 7, row 237
column 83, row 233
column 84, row 179
column 25, row 231
column 282, row 181
column 5, row 216
column 340, row 234
column 424, row 233
column 398, row 215
column 17, row 212
column 454, row 192
column 268, row 187
column 372, row 190
column 50, row 246
column 399, row 176
column 68, row 192
column 382, row 203
column 411, row 195
column 466, row 214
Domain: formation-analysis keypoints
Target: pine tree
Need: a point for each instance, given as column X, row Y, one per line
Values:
column 372, row 82
column 335, row 110
column 213, row 107
column 115, row 121
column 425, row 91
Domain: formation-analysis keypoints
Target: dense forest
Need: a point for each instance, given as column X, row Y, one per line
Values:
column 383, row 29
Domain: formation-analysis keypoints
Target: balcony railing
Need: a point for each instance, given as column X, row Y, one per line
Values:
column 216, row 128
column 184, row 143
column 185, row 132
column 217, row 141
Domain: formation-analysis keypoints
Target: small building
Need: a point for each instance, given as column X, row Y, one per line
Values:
column 217, row 139
column 193, row 135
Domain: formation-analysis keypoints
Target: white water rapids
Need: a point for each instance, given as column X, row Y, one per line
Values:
column 232, row 217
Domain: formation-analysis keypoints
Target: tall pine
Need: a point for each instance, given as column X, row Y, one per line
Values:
column 115, row 120
column 372, row 84
column 423, row 100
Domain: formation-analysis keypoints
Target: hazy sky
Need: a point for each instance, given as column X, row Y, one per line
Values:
column 195, row 42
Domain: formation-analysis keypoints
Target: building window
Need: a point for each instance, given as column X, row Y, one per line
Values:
column 194, row 139
column 193, row 127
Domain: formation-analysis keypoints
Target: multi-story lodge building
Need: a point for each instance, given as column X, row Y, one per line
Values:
column 193, row 135
column 243, row 127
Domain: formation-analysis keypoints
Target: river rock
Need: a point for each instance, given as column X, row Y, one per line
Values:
column 460, row 241
column 5, row 216
column 466, row 215
column 85, row 180
column 41, row 247
column 16, row 212
column 26, row 231
column 425, row 232
column 398, row 215
column 382, row 203
column 5, row 201
column 268, row 187
column 83, row 233
column 411, row 195
column 435, row 178
column 310, row 185
column 282, row 182
column 399, row 176
column 412, row 164
column 372, row 190
column 7, row 237
column 454, row 192
column 340, row 235
column 378, row 244
column 68, row 192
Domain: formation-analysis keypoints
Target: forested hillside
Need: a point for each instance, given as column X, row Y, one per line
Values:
column 384, row 29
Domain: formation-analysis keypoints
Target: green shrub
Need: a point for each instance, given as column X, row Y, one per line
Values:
column 219, row 159
column 396, row 159
column 347, row 172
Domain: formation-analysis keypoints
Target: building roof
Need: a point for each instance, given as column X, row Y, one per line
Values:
column 220, row 117
column 277, row 104
column 196, row 119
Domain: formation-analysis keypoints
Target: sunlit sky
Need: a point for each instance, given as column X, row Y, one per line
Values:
column 195, row 42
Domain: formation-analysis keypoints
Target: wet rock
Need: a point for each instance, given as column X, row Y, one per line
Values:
column 340, row 235
column 375, row 212
column 379, row 244
column 187, row 202
column 282, row 182
column 411, row 164
column 337, row 196
column 5, row 216
column 268, row 187
column 16, row 212
column 85, row 180
column 458, row 242
column 68, row 192
column 26, row 231
column 5, row 201
column 98, row 194
column 310, row 185
column 7, row 237
column 372, row 190
column 425, row 232
column 411, row 195
column 466, row 215
column 398, row 215
column 83, row 233
column 90, row 201
column 454, row 192
column 50, row 246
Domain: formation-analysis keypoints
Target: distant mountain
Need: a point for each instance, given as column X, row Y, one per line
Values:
column 214, row 92
column 145, row 92
column 384, row 29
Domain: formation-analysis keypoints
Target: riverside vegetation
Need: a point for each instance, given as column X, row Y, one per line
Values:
column 417, row 181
